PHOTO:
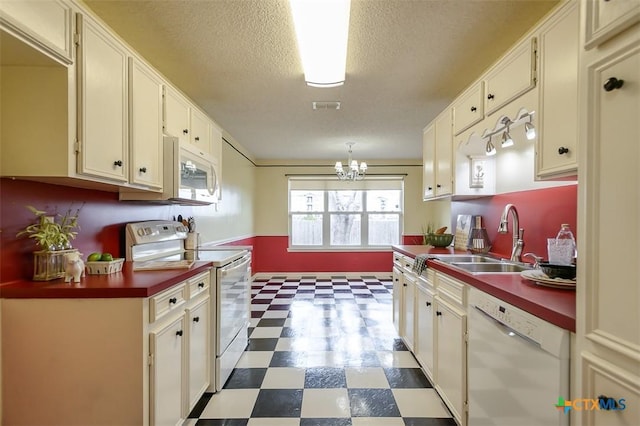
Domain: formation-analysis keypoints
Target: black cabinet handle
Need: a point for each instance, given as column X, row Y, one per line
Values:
column 563, row 150
column 473, row 109
column 612, row 84
column 143, row 170
column 427, row 303
column 118, row 163
column 185, row 131
column 173, row 300
column 429, row 189
column 197, row 138
column 490, row 96
column 196, row 319
column 201, row 285
column 404, row 284
column 438, row 313
column 438, row 186
column 179, row 333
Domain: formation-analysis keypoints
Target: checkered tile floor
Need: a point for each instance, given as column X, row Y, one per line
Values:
column 323, row 351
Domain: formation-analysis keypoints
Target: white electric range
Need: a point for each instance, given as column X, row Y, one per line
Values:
column 159, row 244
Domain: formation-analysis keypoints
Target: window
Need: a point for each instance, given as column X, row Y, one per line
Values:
column 326, row 214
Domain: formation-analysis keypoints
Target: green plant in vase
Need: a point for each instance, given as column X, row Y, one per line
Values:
column 54, row 238
column 49, row 234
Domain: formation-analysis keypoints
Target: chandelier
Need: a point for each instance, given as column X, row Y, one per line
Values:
column 353, row 171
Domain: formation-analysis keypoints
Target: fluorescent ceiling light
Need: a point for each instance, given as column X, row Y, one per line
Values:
column 322, row 30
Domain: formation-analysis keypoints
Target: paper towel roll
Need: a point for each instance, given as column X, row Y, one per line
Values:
column 191, row 243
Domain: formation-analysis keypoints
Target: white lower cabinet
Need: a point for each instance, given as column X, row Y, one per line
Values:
column 199, row 353
column 430, row 316
column 167, row 349
column 451, row 356
column 425, row 311
column 408, row 309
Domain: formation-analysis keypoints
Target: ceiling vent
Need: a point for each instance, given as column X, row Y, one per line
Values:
column 325, row 105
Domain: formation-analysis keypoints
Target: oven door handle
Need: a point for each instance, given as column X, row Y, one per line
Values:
column 227, row 270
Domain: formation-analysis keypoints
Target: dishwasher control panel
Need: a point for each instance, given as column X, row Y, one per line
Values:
column 519, row 321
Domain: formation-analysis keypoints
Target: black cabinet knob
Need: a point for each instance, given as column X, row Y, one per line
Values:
column 563, row 150
column 490, row 96
column 185, row 131
column 430, row 189
column 427, row 303
column 143, row 170
column 439, row 186
column 118, row 163
column 474, row 109
column 612, row 84
column 196, row 319
column 179, row 333
column 197, row 138
column 173, row 300
column 201, row 285
column 404, row 284
column 438, row 313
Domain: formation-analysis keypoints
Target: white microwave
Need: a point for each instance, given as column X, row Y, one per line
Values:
column 189, row 174
column 190, row 177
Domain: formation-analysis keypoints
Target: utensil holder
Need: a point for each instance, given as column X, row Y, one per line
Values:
column 478, row 238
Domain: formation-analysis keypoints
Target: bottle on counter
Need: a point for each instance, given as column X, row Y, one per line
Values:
column 563, row 249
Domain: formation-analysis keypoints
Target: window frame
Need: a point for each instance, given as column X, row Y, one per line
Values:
column 364, row 220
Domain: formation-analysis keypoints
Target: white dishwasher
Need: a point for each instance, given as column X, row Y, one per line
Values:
column 518, row 365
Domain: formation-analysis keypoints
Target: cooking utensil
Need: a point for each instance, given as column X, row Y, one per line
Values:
column 479, row 239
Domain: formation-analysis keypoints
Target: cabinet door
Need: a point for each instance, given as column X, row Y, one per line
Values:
column 451, row 364
column 145, row 123
column 613, row 184
column 605, row 19
column 199, row 322
column 424, row 330
column 557, row 127
column 176, row 115
column 428, row 161
column 102, row 109
column 444, row 154
column 397, row 300
column 45, row 23
column 200, row 131
column 511, row 77
column 167, row 346
column 408, row 309
column 216, row 152
column 468, row 109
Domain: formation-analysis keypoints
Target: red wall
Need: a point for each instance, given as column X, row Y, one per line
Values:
column 540, row 212
column 102, row 220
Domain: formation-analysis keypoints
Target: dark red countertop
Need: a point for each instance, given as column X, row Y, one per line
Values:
column 553, row 305
column 121, row 284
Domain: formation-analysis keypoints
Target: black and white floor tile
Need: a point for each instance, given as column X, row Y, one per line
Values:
column 323, row 352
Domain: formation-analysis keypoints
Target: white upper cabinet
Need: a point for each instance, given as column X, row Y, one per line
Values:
column 200, row 131
column 145, row 124
column 468, row 108
column 46, row 24
column 176, row 115
column 103, row 100
column 437, row 155
column 606, row 18
column 511, row 77
column 557, row 124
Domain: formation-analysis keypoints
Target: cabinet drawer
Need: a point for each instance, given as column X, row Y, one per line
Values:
column 451, row 290
column 512, row 77
column 427, row 280
column 166, row 302
column 198, row 285
column 468, row 109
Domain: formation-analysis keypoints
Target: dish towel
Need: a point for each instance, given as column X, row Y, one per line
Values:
column 420, row 263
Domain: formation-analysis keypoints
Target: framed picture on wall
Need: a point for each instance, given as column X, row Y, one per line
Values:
column 476, row 171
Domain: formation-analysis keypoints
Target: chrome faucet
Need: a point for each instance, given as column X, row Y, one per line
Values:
column 518, row 233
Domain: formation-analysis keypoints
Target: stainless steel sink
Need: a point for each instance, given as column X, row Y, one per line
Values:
column 475, row 258
column 491, row 267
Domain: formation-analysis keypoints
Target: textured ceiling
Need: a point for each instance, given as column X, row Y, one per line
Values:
column 406, row 61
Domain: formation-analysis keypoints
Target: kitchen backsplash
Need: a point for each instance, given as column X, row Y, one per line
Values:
column 102, row 220
column 540, row 211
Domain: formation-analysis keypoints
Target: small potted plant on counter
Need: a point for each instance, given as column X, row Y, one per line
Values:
column 54, row 238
